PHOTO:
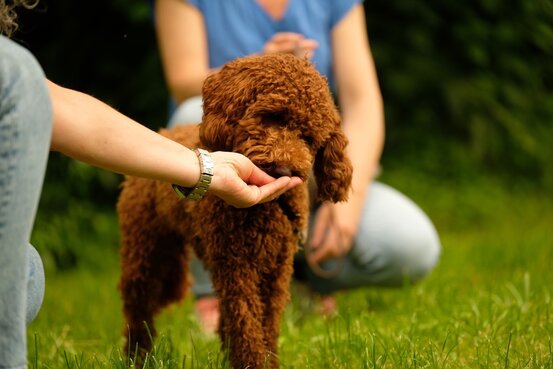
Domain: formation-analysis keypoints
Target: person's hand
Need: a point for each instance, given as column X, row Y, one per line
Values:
column 242, row 184
column 290, row 42
column 333, row 232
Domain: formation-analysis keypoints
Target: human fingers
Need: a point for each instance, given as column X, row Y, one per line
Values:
column 241, row 166
column 242, row 184
column 273, row 190
column 320, row 226
column 256, row 176
column 328, row 248
column 328, row 239
column 253, row 175
column 284, row 42
column 286, row 36
column 305, row 48
column 249, row 195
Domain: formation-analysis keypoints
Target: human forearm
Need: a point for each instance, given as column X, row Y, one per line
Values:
column 182, row 92
column 86, row 129
column 364, row 126
column 188, row 86
column 360, row 99
column 181, row 35
column 89, row 130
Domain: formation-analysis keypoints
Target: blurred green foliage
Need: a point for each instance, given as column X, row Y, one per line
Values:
column 468, row 86
column 468, row 90
column 107, row 49
column 80, row 236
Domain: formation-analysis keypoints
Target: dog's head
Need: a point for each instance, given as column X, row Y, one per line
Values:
column 278, row 111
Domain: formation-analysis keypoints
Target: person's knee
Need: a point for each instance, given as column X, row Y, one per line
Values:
column 398, row 260
column 417, row 254
column 398, row 242
column 36, row 284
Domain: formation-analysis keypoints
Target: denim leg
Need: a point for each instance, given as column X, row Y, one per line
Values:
column 201, row 283
column 25, row 132
column 35, row 284
column 396, row 243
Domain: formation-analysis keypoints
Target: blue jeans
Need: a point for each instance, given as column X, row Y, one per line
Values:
column 396, row 242
column 25, row 132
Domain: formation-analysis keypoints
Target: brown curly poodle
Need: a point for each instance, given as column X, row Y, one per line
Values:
column 278, row 111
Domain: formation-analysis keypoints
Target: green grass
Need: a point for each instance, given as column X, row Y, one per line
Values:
column 487, row 304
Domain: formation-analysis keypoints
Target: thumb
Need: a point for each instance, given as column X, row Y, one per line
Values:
column 258, row 177
column 274, row 189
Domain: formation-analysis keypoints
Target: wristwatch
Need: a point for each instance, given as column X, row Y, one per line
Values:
column 206, row 173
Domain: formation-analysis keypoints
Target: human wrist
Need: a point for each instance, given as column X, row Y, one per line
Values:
column 187, row 165
column 205, row 169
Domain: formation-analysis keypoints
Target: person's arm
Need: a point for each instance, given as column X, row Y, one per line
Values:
column 363, row 122
column 183, row 47
column 88, row 130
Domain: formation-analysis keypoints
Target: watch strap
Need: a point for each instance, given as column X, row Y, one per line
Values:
column 206, row 173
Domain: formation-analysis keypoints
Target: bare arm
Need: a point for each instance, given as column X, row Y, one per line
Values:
column 363, row 122
column 360, row 99
column 183, row 45
column 88, row 130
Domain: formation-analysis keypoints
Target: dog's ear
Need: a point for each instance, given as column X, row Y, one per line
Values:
column 215, row 129
column 333, row 169
column 215, row 133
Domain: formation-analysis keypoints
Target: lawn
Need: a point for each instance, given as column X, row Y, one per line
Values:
column 487, row 304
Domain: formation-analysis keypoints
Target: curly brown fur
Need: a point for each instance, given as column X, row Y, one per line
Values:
column 278, row 111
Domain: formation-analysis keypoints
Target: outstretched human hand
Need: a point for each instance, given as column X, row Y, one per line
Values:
column 333, row 232
column 90, row 131
column 240, row 183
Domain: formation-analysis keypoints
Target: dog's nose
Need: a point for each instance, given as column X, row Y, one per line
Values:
column 283, row 171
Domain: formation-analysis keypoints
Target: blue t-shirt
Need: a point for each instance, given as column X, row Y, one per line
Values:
column 236, row 28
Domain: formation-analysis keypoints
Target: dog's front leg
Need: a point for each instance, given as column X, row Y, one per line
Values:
column 241, row 328
column 275, row 290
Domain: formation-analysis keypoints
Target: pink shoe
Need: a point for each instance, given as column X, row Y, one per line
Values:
column 328, row 305
column 207, row 310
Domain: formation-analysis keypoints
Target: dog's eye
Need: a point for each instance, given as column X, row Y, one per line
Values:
column 275, row 118
column 308, row 140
